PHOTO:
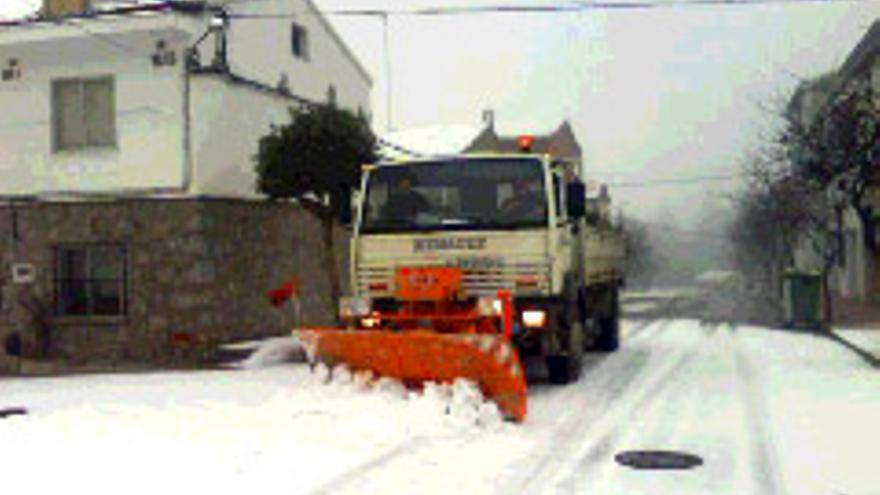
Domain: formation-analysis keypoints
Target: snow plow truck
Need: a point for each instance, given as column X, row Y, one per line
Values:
column 464, row 265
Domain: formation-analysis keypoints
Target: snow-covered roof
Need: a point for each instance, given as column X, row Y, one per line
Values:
column 427, row 141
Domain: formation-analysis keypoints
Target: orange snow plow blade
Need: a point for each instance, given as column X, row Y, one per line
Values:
column 419, row 356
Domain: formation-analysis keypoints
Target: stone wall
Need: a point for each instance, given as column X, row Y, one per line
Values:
column 198, row 273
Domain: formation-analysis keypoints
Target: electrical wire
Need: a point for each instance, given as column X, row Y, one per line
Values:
column 679, row 181
column 573, row 7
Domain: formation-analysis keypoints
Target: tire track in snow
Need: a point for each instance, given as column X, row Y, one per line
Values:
column 342, row 480
column 567, row 439
column 619, row 424
column 765, row 464
column 614, row 383
column 626, row 363
column 665, row 312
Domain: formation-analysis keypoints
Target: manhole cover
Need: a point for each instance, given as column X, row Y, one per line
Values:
column 658, row 459
column 12, row 411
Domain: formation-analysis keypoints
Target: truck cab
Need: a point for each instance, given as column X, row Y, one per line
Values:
column 515, row 222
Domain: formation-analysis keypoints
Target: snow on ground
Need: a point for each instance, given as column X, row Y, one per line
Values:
column 279, row 428
column 768, row 411
column 824, row 405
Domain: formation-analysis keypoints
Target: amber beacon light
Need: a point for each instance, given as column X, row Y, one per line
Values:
column 526, row 143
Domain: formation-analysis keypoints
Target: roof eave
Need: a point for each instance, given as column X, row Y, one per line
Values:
column 193, row 7
column 865, row 51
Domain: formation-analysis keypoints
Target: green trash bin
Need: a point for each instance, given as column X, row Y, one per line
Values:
column 802, row 294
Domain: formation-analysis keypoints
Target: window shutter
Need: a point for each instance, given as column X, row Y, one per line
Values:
column 299, row 41
column 67, row 106
column 100, row 114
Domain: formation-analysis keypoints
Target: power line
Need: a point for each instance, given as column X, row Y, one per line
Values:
column 573, row 7
column 386, row 51
column 679, row 181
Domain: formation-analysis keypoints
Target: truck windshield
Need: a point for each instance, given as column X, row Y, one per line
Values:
column 460, row 194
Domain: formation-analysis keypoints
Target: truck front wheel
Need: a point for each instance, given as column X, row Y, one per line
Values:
column 566, row 368
column 609, row 324
column 562, row 370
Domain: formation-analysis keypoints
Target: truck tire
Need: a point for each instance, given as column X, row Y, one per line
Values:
column 609, row 324
column 566, row 368
column 562, row 370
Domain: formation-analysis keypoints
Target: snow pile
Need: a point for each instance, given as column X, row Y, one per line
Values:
column 229, row 431
column 461, row 402
column 439, row 406
column 274, row 351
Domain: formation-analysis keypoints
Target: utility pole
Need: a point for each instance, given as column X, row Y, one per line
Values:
column 387, row 54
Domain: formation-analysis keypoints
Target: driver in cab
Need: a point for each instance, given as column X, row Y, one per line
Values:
column 527, row 201
column 404, row 203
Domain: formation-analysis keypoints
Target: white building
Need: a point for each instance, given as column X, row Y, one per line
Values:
column 105, row 102
column 129, row 222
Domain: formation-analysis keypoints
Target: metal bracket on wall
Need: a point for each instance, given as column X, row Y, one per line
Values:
column 12, row 71
column 24, row 273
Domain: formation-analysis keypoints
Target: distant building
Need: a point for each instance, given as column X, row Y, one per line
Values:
column 129, row 221
column 438, row 140
column 561, row 142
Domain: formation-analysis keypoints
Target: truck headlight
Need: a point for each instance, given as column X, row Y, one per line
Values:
column 372, row 321
column 534, row 318
column 354, row 307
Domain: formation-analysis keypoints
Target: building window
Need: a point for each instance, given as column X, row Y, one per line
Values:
column 90, row 280
column 299, row 41
column 83, row 113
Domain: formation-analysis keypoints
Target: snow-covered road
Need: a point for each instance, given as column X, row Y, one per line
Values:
column 768, row 412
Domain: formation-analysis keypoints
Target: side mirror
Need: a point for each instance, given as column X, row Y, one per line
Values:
column 576, row 194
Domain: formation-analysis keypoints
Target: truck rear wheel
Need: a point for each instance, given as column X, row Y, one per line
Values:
column 609, row 324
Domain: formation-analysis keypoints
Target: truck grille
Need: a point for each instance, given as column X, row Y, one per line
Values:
column 377, row 280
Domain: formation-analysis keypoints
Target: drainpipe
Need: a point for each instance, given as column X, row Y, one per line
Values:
column 187, row 173
column 217, row 26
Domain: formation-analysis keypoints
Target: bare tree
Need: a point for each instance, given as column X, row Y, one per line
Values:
column 837, row 144
column 782, row 212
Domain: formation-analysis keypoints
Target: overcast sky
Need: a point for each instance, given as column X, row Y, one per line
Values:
column 653, row 95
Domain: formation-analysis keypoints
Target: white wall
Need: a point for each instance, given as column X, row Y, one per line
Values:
column 148, row 108
column 261, row 50
column 227, row 120
column 227, row 123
